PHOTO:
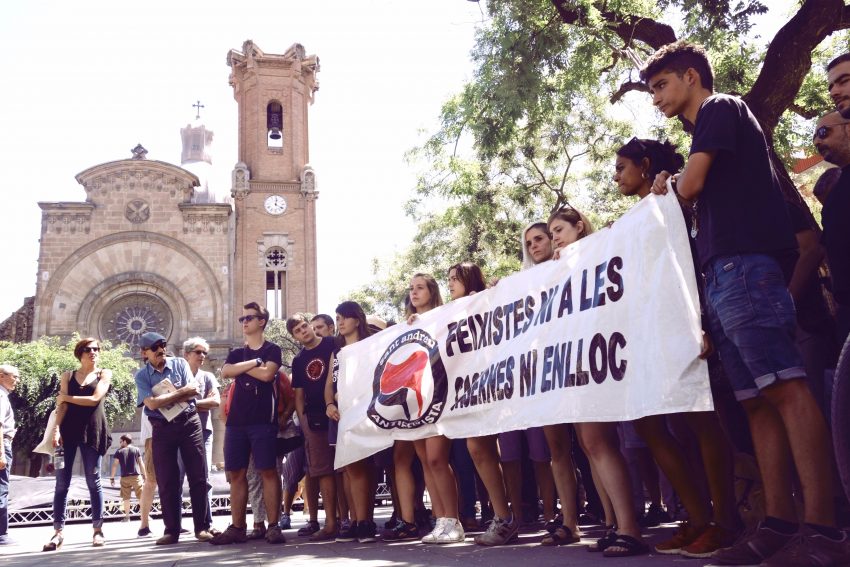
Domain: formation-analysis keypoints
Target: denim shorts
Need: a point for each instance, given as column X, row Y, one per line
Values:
column 243, row 441
column 752, row 322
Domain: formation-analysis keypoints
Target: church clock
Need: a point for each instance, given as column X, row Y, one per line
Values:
column 275, row 205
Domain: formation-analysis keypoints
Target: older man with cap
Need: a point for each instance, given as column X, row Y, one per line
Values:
column 167, row 389
column 8, row 379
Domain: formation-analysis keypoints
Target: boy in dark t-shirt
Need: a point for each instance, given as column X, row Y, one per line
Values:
column 310, row 370
column 251, row 427
column 745, row 249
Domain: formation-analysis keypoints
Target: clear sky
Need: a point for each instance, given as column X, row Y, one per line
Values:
column 84, row 82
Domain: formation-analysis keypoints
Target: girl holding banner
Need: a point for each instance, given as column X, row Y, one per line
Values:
column 352, row 327
column 638, row 162
column 599, row 439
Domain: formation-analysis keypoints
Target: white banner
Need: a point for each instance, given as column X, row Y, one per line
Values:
column 609, row 332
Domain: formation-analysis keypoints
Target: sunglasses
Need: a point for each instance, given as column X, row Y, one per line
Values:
column 91, row 349
column 248, row 318
column 200, row 352
column 158, row 345
column 822, row 132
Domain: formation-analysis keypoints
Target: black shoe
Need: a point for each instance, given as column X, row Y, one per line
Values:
column 184, row 531
column 654, row 516
column 402, row 531
column 390, row 524
column 366, row 532
column 144, row 532
column 347, row 532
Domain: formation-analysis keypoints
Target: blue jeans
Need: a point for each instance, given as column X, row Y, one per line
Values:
column 4, row 489
column 91, row 468
column 752, row 322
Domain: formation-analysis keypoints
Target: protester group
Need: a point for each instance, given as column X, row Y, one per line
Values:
column 775, row 324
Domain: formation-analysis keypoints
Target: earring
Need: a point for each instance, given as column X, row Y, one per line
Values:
column 643, row 175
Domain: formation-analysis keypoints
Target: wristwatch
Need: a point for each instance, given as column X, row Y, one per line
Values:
column 259, row 361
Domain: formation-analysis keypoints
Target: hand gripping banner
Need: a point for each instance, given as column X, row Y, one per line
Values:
column 608, row 332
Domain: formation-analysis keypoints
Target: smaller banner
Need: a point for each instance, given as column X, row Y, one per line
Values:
column 608, row 332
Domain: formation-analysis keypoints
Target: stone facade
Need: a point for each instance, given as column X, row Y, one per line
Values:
column 153, row 248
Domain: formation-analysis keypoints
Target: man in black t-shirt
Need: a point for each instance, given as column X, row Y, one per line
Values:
column 129, row 460
column 746, row 250
column 310, row 369
column 832, row 140
column 251, row 427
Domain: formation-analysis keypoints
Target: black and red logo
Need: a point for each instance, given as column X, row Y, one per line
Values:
column 410, row 385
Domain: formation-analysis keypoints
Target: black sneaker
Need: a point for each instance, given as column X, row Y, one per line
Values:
column 366, row 532
column 390, row 524
column 655, row 516
column 401, row 531
column 144, row 532
column 347, row 531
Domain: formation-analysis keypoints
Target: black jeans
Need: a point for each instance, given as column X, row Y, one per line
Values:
column 183, row 434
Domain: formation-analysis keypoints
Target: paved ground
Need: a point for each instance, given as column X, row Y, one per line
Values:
column 125, row 548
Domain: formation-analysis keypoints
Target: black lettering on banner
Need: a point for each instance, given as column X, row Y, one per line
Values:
column 566, row 299
column 545, row 380
column 508, row 309
column 463, row 336
column 497, row 325
column 598, row 356
column 450, row 338
column 585, row 302
column 598, row 295
column 527, row 373
column 529, row 312
column 518, row 316
column 581, row 376
column 618, row 371
column 508, row 388
column 616, row 278
column 483, row 322
column 547, row 299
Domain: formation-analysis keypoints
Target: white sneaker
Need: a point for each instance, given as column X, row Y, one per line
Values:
column 452, row 532
column 436, row 532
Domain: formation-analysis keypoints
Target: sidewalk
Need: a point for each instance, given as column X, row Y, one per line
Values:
column 123, row 547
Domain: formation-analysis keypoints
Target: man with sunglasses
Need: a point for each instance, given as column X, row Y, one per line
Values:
column 8, row 379
column 832, row 141
column 251, row 427
column 182, row 433
column 195, row 351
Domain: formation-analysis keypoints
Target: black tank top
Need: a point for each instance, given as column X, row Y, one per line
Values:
column 85, row 425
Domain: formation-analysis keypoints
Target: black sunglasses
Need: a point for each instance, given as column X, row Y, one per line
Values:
column 248, row 318
column 91, row 349
column 822, row 132
column 158, row 345
column 200, row 352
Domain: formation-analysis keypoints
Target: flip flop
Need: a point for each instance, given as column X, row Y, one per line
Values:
column 323, row 535
column 561, row 536
column 628, row 547
column 54, row 543
column 602, row 543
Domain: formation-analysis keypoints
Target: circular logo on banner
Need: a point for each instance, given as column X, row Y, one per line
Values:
column 410, row 385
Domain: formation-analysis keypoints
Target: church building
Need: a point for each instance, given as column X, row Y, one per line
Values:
column 155, row 247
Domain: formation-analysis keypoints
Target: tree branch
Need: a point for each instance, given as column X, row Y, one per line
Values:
column 789, row 59
column 628, row 27
column 806, row 113
column 628, row 86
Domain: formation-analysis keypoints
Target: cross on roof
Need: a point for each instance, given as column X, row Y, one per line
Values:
column 199, row 106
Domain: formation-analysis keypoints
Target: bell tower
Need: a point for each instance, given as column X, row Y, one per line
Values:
column 273, row 185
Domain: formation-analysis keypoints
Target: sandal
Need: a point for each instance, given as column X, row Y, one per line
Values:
column 625, row 546
column 561, row 536
column 54, row 543
column 98, row 540
column 604, row 542
column 323, row 535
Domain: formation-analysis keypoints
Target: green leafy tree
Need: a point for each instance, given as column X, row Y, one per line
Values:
column 554, row 91
column 41, row 363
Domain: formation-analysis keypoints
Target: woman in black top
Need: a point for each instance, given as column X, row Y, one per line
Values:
column 81, row 423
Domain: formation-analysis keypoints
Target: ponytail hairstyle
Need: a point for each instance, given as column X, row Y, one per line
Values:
column 527, row 260
column 660, row 156
column 352, row 310
column 433, row 289
column 572, row 216
column 470, row 276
